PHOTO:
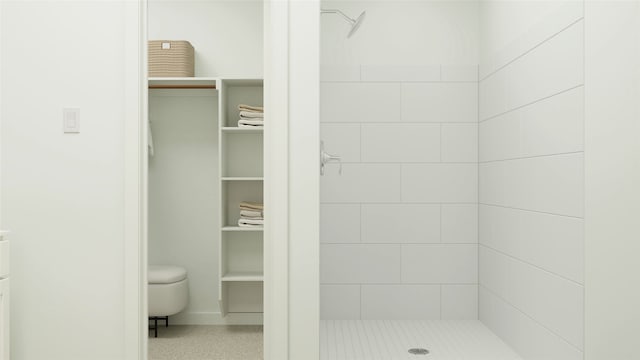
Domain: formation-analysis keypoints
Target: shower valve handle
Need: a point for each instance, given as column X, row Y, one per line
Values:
column 326, row 158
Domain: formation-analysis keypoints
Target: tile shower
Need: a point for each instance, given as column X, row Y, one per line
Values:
column 461, row 193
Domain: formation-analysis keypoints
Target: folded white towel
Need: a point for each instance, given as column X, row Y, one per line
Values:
column 245, row 107
column 250, row 123
column 251, row 214
column 251, row 115
column 246, row 205
column 250, row 223
column 250, row 126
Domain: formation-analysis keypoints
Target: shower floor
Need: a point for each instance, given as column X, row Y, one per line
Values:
column 391, row 340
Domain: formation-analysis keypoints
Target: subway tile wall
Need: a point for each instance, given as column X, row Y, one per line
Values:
column 399, row 226
column 531, row 189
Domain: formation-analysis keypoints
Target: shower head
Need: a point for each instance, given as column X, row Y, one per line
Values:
column 355, row 23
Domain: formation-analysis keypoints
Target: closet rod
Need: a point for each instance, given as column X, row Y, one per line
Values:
column 182, row 87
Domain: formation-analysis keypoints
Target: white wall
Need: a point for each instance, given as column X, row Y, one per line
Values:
column 183, row 196
column 399, row 226
column 531, row 175
column 405, row 32
column 1, row 103
column 302, row 83
column 612, row 155
column 63, row 193
column 226, row 34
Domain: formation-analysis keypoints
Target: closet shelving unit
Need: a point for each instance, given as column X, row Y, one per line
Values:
column 240, row 152
column 241, row 179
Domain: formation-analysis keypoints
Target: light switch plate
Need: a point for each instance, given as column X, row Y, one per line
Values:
column 71, row 120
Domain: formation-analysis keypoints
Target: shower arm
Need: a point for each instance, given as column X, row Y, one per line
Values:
column 336, row 11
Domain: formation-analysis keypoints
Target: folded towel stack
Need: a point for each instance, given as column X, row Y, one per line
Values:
column 250, row 116
column 251, row 215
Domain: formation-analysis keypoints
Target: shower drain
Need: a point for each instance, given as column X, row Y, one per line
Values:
column 418, row 351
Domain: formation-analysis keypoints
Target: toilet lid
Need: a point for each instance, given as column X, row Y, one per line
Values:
column 165, row 274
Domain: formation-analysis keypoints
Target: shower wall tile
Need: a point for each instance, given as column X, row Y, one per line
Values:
column 440, row 102
column 551, row 242
column 361, row 183
column 555, row 126
column 493, row 98
column 460, row 223
column 467, row 73
column 459, row 302
column 340, row 302
column 460, row 143
column 554, row 302
column 343, row 139
column 401, row 223
column 400, row 73
column 552, row 67
column 399, row 226
column 555, row 66
column 529, row 338
column 558, row 15
column 552, row 184
column 500, row 137
column 551, row 126
column 440, row 183
column 340, row 223
column 359, row 102
column 329, row 73
column 440, row 264
column 400, row 143
column 359, row 264
column 400, row 302
column 531, row 181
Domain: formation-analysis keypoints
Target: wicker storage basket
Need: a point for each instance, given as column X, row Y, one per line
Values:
column 171, row 58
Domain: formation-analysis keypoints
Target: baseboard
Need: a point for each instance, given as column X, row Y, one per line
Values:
column 216, row 318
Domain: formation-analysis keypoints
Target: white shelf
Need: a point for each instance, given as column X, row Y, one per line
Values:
column 183, row 82
column 242, row 178
column 242, row 228
column 235, row 129
column 243, row 82
column 243, row 276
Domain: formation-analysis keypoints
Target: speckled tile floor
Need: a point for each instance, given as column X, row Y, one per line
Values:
column 204, row 342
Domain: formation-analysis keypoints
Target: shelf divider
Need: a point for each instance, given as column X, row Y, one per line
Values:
column 183, row 83
column 235, row 129
column 242, row 228
column 243, row 276
column 242, row 178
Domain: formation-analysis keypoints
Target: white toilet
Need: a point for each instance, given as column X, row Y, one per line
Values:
column 168, row 292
